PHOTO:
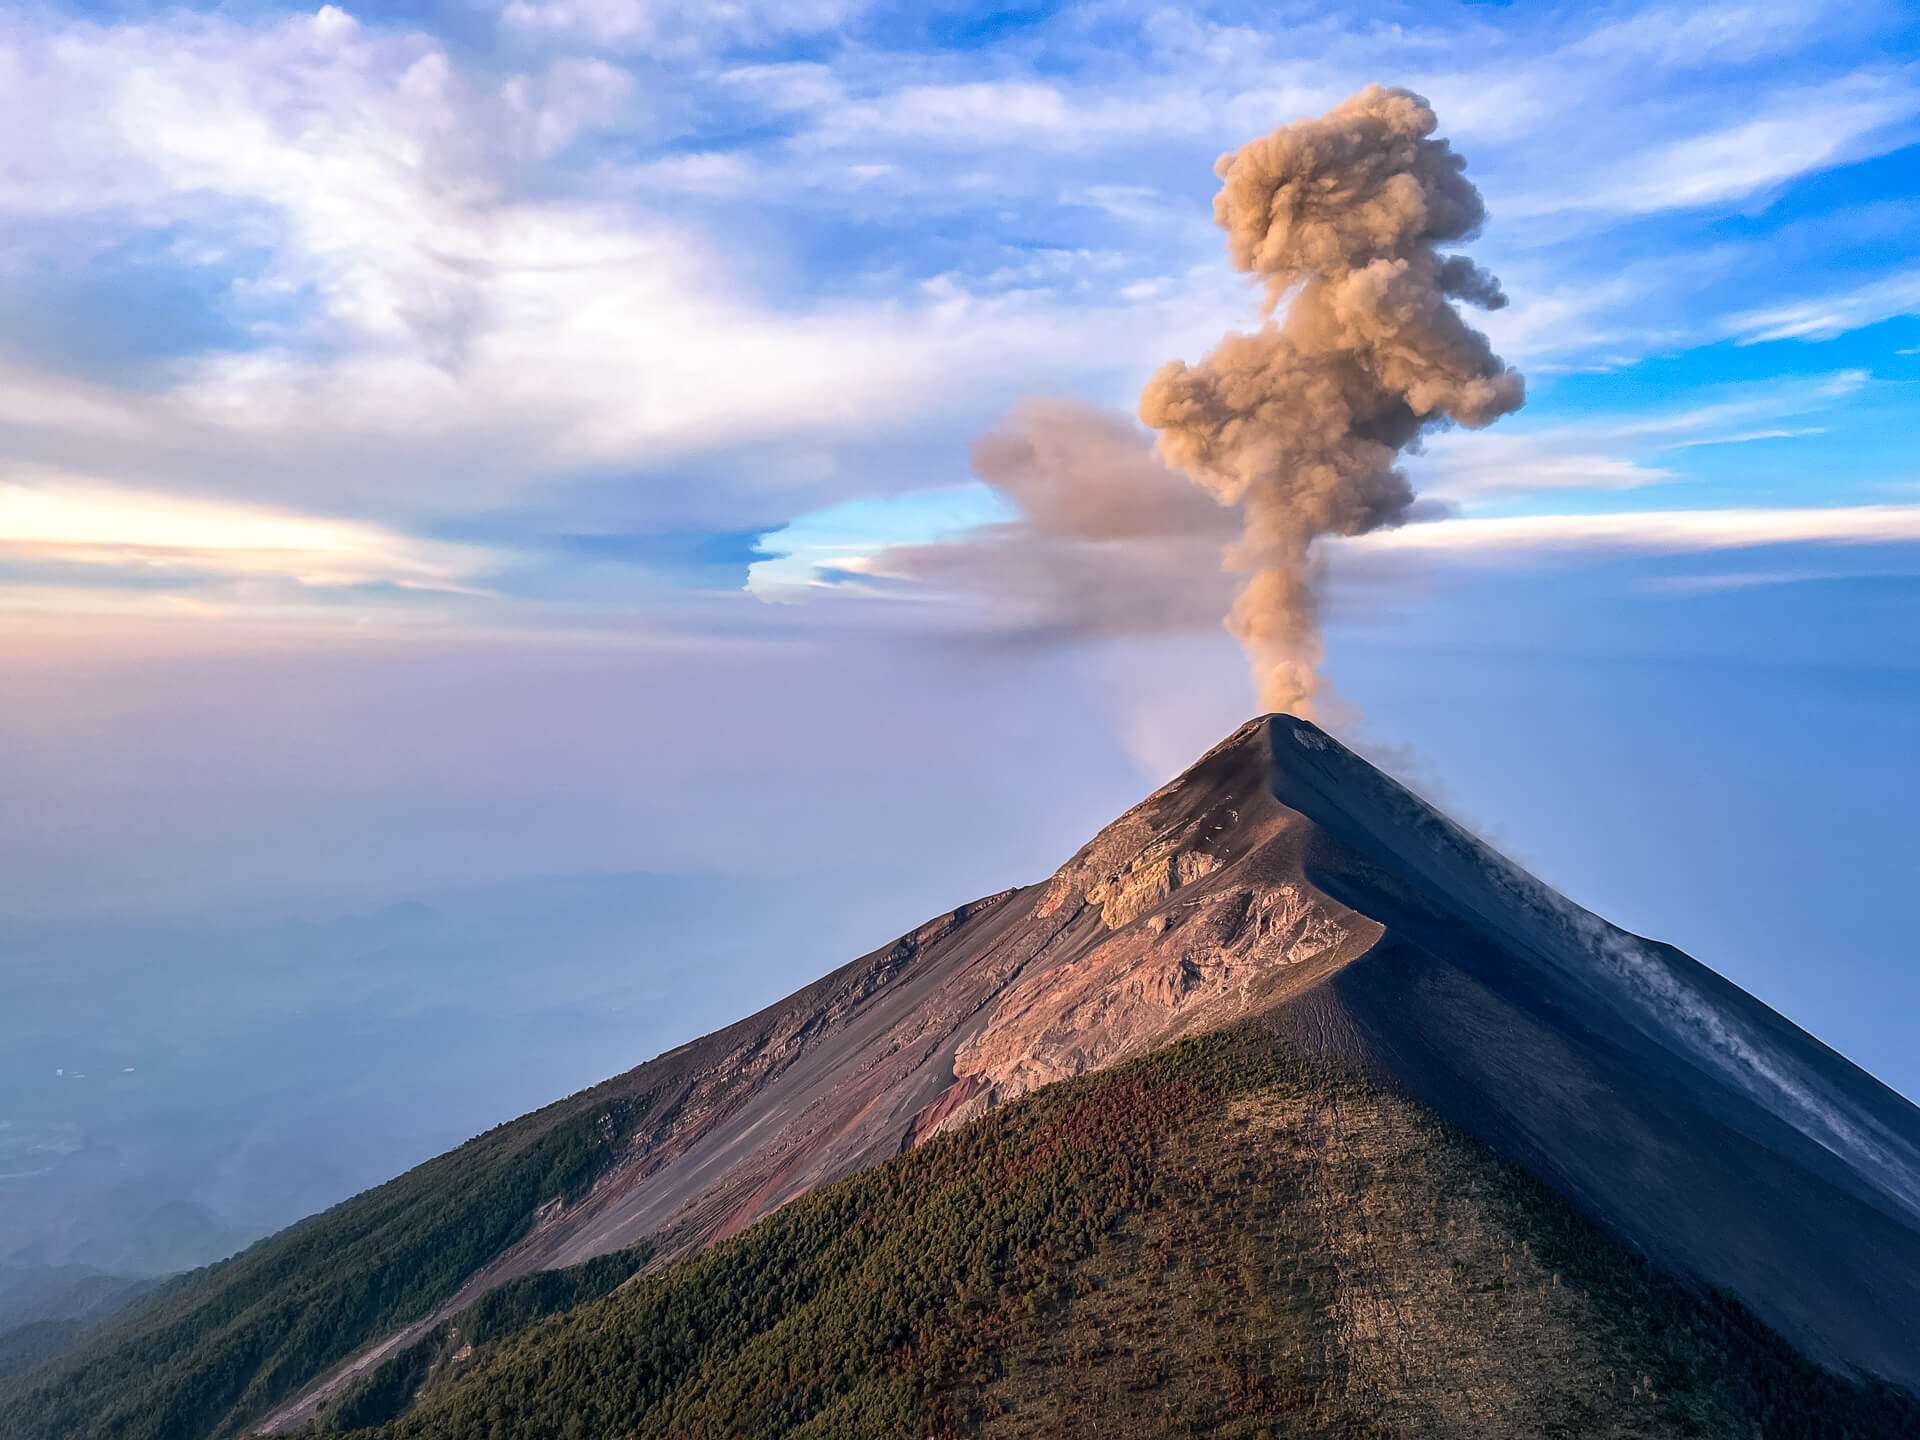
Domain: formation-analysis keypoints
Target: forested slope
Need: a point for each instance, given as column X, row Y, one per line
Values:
column 1226, row 1238
column 225, row 1343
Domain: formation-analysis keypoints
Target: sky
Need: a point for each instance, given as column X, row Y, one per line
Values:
column 458, row 445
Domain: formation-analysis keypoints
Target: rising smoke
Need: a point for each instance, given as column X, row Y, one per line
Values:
column 1301, row 424
column 1108, row 542
column 1294, row 431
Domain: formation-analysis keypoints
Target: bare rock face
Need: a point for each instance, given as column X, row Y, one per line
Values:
column 1126, row 882
column 1185, row 914
column 1177, row 972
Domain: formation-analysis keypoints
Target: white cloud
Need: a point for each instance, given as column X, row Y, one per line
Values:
column 458, row 327
column 31, row 399
column 570, row 98
column 1697, row 34
column 1650, row 531
column 1475, row 465
column 793, row 85
column 978, row 115
column 1794, row 133
column 1835, row 314
column 1553, row 318
column 460, row 304
column 1717, row 583
column 1612, row 454
column 674, row 28
column 78, row 520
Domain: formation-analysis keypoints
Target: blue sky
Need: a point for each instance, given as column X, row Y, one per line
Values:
column 443, row 444
column 535, row 315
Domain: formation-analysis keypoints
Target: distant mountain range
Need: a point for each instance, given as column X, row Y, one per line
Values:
column 1285, row 1107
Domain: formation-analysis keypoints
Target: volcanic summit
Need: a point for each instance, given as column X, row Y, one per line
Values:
column 1282, row 890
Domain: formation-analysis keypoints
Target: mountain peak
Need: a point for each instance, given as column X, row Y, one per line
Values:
column 1282, row 886
column 1285, row 881
column 1186, row 913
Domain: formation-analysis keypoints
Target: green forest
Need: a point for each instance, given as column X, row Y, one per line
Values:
column 220, row 1347
column 1222, row 1239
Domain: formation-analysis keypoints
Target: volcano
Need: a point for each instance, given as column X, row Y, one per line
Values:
column 1282, row 892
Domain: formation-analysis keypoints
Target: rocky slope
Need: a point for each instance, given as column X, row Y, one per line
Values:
column 1188, row 912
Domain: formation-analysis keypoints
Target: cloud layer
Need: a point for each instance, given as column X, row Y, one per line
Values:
column 589, row 267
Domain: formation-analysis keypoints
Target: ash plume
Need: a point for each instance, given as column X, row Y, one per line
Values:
column 1293, row 433
column 1301, row 424
column 1108, row 542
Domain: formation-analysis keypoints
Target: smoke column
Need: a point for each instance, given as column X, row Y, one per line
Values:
column 1301, row 424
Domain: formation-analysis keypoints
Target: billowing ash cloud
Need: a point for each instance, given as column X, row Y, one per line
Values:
column 1294, row 432
column 1109, row 540
column 1301, row 423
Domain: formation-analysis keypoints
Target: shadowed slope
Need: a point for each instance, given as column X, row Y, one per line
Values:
column 1670, row 1105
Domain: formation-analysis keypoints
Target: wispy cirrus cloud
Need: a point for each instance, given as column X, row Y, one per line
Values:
column 1687, row 36
column 674, row 28
column 1652, row 531
column 1796, row 132
column 1825, row 316
column 1624, row 452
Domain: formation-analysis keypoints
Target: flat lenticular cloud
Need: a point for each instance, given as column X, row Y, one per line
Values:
column 1302, row 424
column 82, row 522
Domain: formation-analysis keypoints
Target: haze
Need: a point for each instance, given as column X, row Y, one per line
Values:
column 498, row 578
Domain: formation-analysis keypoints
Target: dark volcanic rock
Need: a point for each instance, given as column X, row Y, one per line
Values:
column 1694, row 1122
